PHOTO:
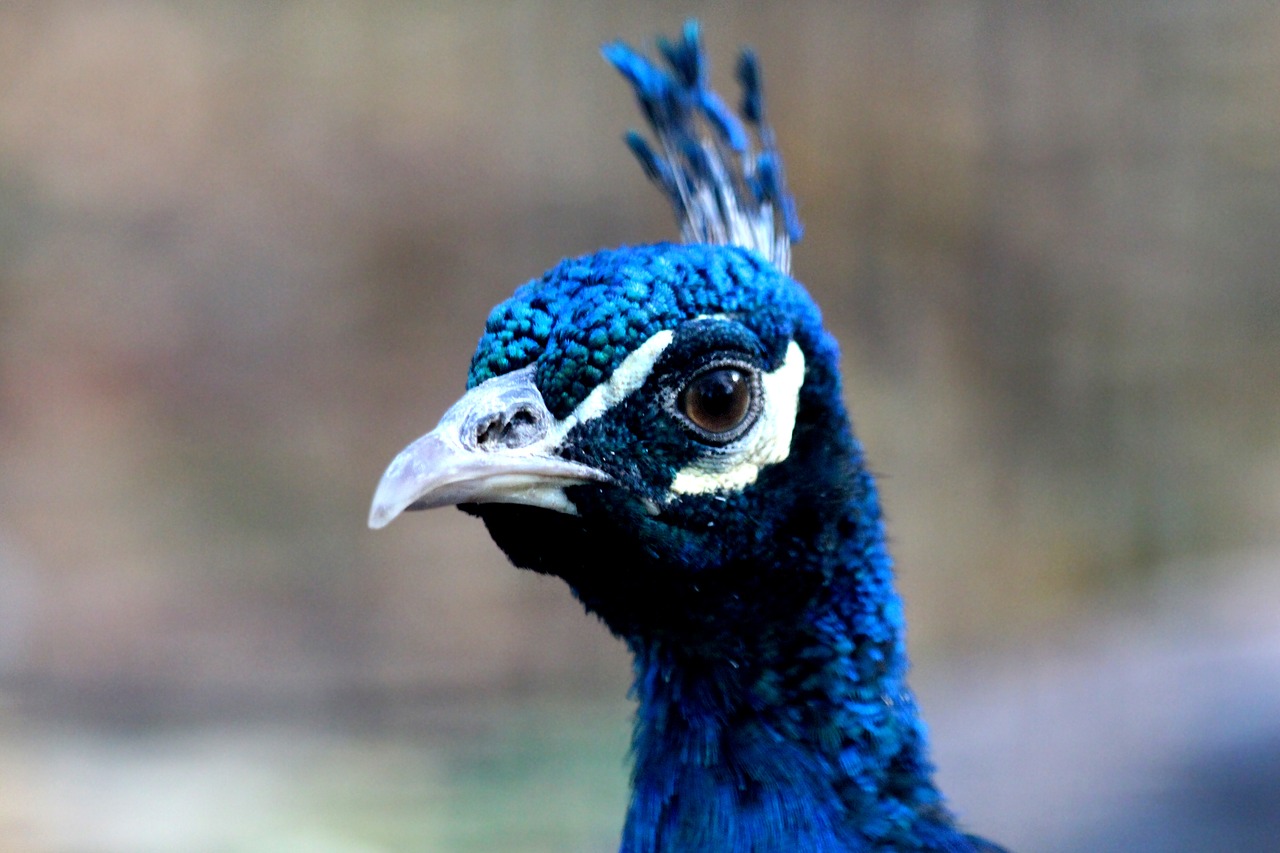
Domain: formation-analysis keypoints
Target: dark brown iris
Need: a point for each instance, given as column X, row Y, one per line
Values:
column 718, row 400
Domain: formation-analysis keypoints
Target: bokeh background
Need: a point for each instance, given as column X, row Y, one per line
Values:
column 246, row 250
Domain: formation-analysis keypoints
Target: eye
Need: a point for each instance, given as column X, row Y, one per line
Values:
column 719, row 401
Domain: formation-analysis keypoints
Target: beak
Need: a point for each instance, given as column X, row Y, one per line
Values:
column 498, row 444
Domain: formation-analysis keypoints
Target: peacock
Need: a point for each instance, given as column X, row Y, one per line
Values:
column 663, row 427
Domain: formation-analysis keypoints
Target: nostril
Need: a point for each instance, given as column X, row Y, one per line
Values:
column 488, row 431
column 511, row 429
column 523, row 427
column 521, row 421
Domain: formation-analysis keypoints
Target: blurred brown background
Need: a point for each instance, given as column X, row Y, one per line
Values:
column 246, row 250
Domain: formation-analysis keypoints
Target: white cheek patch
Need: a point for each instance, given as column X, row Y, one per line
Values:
column 769, row 441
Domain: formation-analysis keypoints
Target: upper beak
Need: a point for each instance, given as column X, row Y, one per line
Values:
column 498, row 444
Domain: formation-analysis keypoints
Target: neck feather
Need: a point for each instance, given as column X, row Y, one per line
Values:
column 807, row 738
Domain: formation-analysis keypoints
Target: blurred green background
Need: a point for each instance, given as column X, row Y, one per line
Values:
column 246, row 250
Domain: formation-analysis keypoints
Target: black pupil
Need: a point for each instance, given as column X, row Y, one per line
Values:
column 718, row 400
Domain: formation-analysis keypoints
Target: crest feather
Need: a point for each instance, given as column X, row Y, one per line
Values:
column 724, row 189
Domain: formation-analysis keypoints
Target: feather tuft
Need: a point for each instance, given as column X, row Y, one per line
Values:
column 724, row 189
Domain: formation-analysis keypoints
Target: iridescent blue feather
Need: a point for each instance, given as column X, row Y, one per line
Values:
column 724, row 189
column 755, row 592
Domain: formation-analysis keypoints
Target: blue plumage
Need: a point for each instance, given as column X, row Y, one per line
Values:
column 585, row 315
column 663, row 428
column 722, row 190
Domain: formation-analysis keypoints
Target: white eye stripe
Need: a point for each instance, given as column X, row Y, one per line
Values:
column 626, row 378
column 768, row 442
column 731, row 468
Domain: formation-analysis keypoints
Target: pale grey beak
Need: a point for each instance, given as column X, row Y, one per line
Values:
column 498, row 444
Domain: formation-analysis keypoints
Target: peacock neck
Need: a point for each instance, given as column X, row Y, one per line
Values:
column 800, row 735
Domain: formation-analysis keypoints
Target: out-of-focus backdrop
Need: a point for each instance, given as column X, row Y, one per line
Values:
column 246, row 250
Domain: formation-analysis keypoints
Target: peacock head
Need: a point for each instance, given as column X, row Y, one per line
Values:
column 655, row 424
column 660, row 425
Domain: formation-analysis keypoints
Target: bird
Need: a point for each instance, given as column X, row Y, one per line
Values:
column 663, row 427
